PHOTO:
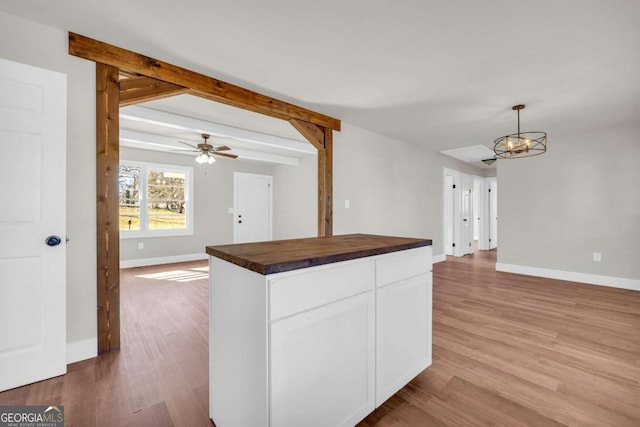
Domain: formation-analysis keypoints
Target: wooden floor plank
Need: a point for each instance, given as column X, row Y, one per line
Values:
column 536, row 351
column 508, row 350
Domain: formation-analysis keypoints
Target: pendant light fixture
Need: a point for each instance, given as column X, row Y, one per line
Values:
column 521, row 144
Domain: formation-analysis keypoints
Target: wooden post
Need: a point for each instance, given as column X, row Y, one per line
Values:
column 321, row 138
column 325, row 186
column 108, row 233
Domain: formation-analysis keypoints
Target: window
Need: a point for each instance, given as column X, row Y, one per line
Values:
column 155, row 200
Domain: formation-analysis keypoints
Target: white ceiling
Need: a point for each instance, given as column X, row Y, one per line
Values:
column 439, row 73
column 167, row 124
column 475, row 153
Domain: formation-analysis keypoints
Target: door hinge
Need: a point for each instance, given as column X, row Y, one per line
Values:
column 454, row 186
column 489, row 239
column 469, row 244
column 489, row 190
column 454, row 245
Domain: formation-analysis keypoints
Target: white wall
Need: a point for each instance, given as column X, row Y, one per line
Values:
column 582, row 196
column 30, row 43
column 295, row 200
column 213, row 196
column 394, row 188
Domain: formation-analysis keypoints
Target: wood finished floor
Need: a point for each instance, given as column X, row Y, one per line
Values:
column 507, row 350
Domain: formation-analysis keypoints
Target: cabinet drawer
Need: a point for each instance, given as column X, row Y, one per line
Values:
column 403, row 264
column 292, row 293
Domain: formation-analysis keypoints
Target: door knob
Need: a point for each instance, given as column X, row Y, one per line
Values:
column 53, row 240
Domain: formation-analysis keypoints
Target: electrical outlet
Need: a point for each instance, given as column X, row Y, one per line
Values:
column 597, row 256
column 140, row 245
column 347, row 203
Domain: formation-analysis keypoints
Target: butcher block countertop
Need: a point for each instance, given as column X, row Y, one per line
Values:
column 285, row 255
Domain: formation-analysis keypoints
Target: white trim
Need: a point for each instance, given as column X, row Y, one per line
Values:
column 592, row 279
column 82, row 350
column 439, row 258
column 143, row 262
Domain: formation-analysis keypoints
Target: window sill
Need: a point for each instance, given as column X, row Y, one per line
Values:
column 155, row 233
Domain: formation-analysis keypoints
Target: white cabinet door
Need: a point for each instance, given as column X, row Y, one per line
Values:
column 403, row 337
column 322, row 365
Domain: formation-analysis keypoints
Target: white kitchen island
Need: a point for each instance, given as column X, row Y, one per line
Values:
column 318, row 331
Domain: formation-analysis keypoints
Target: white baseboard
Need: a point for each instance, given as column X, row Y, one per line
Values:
column 82, row 350
column 439, row 258
column 143, row 262
column 592, row 279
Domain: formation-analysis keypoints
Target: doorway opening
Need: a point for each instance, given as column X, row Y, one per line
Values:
column 470, row 213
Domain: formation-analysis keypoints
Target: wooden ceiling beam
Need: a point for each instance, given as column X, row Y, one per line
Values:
column 313, row 133
column 207, row 87
column 135, row 90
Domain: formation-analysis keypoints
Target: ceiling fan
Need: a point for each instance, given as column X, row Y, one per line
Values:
column 207, row 151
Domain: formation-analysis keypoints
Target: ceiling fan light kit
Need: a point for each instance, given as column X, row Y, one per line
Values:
column 521, row 144
column 207, row 151
column 205, row 158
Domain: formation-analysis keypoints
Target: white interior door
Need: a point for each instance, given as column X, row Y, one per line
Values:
column 458, row 213
column 477, row 186
column 482, row 212
column 466, row 207
column 493, row 214
column 32, row 272
column 252, row 194
column 448, row 215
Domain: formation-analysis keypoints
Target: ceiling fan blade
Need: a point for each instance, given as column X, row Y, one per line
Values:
column 185, row 150
column 189, row 145
column 221, row 148
column 231, row 156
